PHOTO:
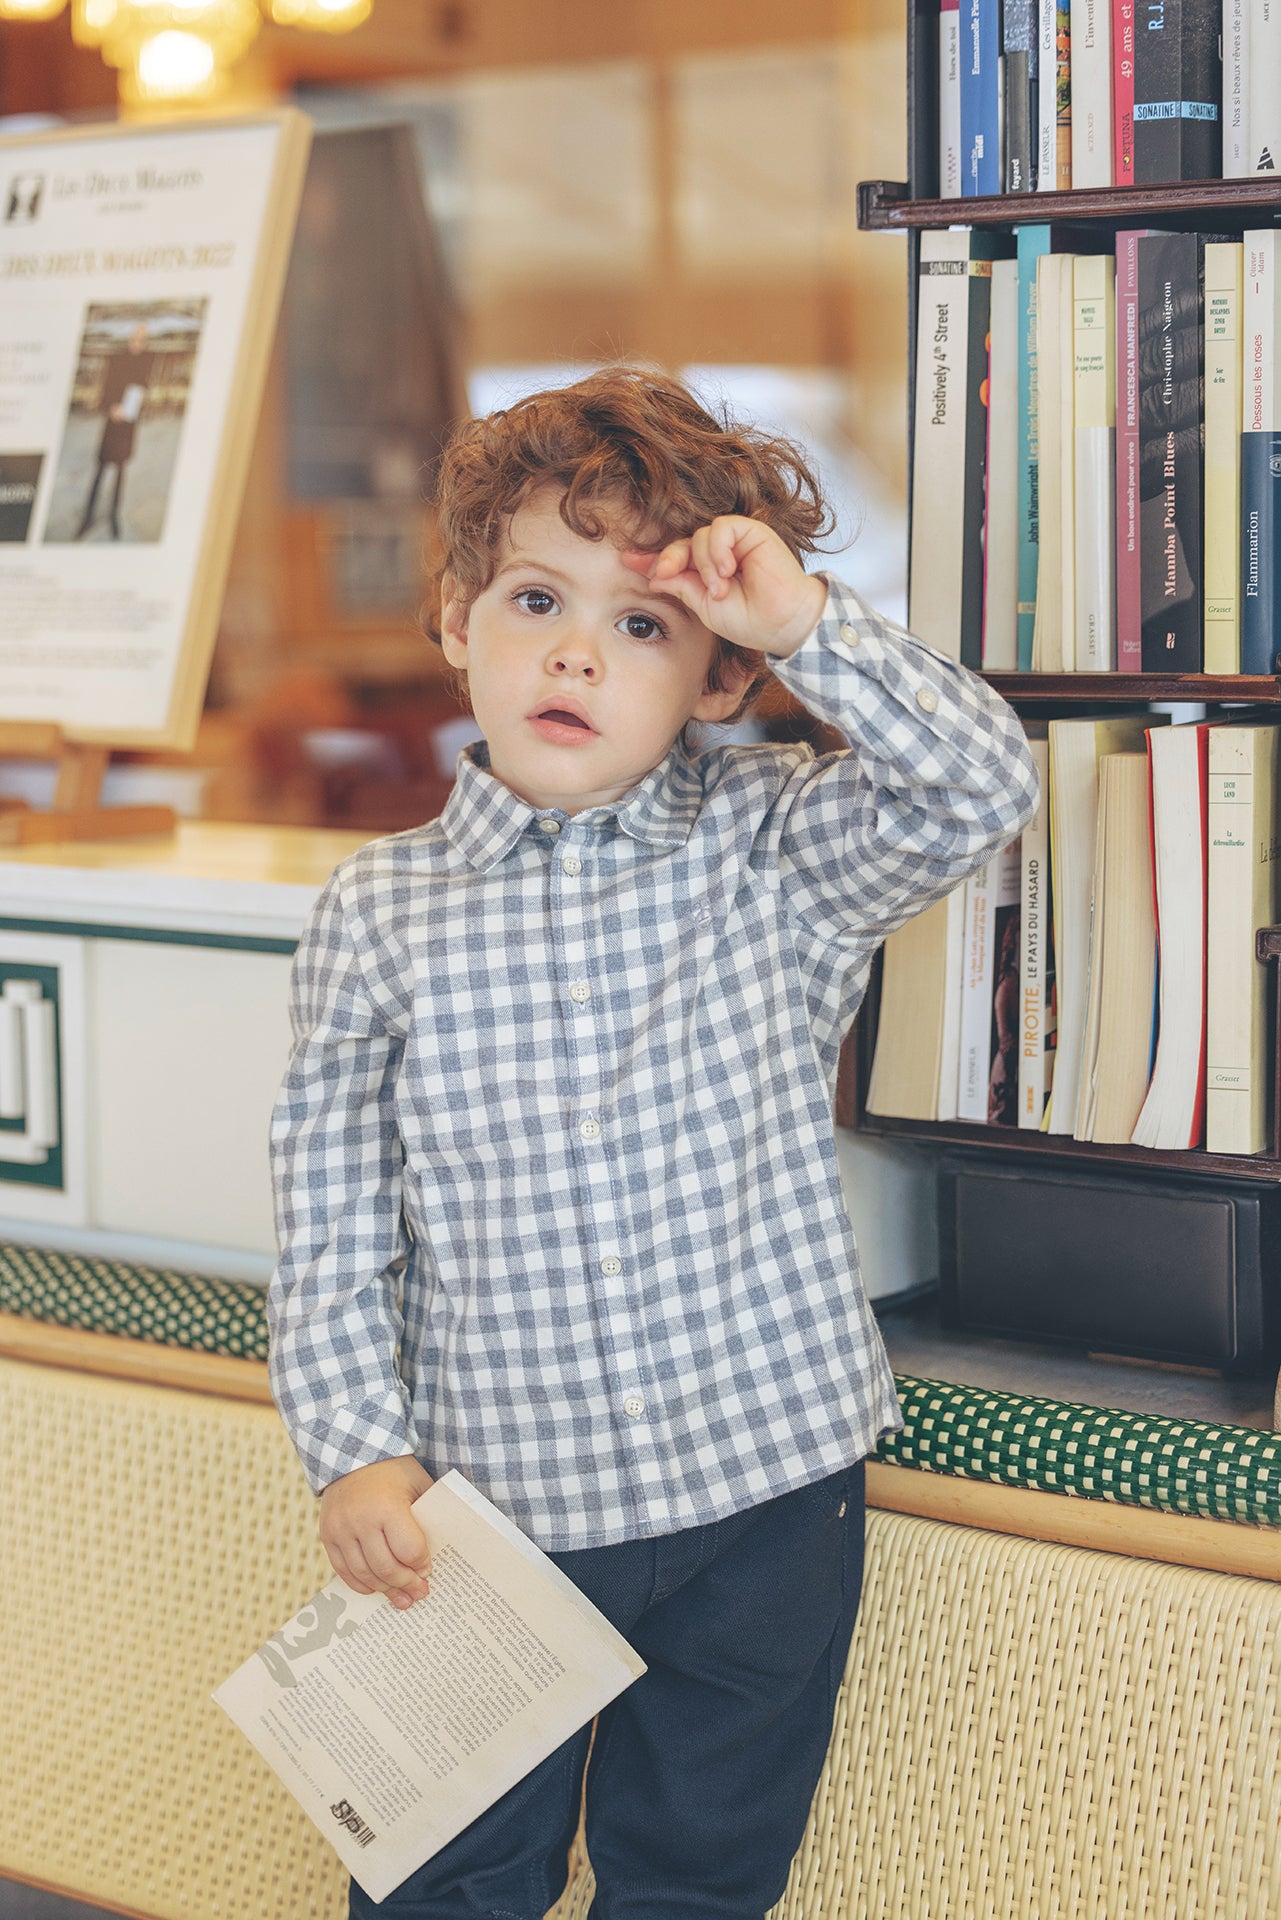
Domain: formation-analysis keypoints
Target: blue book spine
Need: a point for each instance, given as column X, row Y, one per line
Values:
column 1260, row 551
column 1032, row 243
column 980, row 96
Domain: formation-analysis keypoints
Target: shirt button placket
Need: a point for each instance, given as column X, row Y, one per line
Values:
column 590, row 1051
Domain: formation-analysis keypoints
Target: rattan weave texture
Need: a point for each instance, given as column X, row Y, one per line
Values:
column 1028, row 1732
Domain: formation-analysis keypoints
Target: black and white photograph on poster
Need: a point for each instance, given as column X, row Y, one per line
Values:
column 125, row 418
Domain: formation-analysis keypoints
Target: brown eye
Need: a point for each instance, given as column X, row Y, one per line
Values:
column 535, row 600
column 639, row 626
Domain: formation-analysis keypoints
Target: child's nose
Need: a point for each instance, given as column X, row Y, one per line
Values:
column 576, row 655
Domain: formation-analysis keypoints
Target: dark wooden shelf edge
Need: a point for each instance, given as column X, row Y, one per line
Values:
column 1005, row 1140
column 884, row 205
column 1097, row 688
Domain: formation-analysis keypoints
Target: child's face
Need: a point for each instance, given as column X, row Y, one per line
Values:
column 580, row 675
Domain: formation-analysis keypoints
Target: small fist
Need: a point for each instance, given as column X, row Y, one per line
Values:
column 740, row 580
column 372, row 1539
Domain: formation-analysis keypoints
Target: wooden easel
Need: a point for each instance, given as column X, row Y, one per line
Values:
column 77, row 812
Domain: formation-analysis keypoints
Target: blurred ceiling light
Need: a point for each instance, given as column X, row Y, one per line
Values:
column 172, row 65
column 323, row 16
column 181, row 49
column 29, row 9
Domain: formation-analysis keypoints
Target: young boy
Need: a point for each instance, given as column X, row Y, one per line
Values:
column 557, row 1188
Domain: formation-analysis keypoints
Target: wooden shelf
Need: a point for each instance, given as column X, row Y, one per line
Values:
column 884, row 206
column 1093, row 689
column 1060, row 1146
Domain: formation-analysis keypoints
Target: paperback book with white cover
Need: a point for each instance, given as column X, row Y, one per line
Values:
column 394, row 1730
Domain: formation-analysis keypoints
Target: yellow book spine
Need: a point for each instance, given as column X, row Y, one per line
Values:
column 1223, row 376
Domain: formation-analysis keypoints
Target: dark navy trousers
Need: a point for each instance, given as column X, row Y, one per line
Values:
column 703, row 1770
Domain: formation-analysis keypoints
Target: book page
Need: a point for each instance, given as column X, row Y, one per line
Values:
column 395, row 1730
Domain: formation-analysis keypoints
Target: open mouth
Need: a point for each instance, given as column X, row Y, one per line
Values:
column 564, row 725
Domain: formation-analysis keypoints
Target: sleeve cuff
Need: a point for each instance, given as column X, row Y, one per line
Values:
column 341, row 1439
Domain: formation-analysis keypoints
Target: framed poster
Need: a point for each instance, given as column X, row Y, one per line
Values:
column 141, row 270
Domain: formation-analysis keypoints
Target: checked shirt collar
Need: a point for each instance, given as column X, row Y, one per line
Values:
column 484, row 819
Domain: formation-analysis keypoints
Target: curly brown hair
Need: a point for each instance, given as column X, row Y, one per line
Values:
column 632, row 452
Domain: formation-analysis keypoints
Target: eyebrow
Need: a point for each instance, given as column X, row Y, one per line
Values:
column 520, row 563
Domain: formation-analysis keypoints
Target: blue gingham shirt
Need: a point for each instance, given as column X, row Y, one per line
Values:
column 557, row 1192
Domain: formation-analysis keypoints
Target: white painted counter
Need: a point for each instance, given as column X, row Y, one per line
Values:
column 166, row 963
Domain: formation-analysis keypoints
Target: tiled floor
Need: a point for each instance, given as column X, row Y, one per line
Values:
column 917, row 1344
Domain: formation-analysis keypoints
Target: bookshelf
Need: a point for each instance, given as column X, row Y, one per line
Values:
column 911, row 208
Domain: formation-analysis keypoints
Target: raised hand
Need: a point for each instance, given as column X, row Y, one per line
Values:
column 741, row 580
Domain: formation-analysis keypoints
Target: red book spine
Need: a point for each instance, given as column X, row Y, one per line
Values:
column 1123, row 93
column 1203, row 782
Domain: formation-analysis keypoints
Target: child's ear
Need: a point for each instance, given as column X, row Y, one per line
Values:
column 715, row 704
column 453, row 624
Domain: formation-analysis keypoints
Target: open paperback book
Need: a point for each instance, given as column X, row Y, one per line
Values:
column 395, row 1730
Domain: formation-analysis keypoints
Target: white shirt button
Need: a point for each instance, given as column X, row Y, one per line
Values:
column 633, row 1405
column 550, row 826
column 570, row 865
column 850, row 635
column 580, row 992
column 589, row 1128
column 927, row 700
column 611, row 1265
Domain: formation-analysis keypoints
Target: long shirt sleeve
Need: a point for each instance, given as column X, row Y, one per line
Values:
column 939, row 779
column 333, row 1303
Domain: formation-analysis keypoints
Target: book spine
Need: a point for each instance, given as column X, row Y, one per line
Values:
column 1034, row 909
column 974, row 487
column 1018, row 29
column 1062, row 176
column 980, row 97
column 1236, row 89
column 1046, row 632
column 1067, row 456
column 1260, row 552
column 1091, row 93
column 1177, row 87
column 1223, row 278
column 1237, row 842
column 1129, row 620
column 1032, row 242
column 1001, row 521
column 1003, row 1073
column 1170, row 414
column 1094, row 377
column 1260, row 504
column 945, row 580
column 1196, row 1134
column 1263, row 28
column 976, row 995
column 1047, row 125
column 1123, row 93
column 938, row 463
column 948, row 1089
column 949, row 99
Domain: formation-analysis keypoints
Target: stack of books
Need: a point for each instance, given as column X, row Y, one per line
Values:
column 1097, row 451
column 1036, row 95
column 1099, row 978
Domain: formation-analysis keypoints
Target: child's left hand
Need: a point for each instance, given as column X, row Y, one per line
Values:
column 741, row 580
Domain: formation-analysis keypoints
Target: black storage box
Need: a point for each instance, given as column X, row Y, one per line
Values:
column 1161, row 1268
